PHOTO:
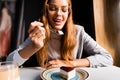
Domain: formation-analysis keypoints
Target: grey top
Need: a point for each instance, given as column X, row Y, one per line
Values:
column 99, row 57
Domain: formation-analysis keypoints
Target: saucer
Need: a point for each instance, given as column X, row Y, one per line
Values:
column 54, row 74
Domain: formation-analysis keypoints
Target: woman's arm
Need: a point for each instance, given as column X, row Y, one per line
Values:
column 32, row 45
column 14, row 56
column 74, row 63
column 37, row 36
column 28, row 51
column 98, row 55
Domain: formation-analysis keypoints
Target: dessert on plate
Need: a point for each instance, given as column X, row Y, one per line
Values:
column 67, row 72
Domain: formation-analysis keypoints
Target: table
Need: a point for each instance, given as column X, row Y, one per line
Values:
column 100, row 73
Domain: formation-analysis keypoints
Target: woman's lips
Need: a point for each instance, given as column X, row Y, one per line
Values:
column 58, row 22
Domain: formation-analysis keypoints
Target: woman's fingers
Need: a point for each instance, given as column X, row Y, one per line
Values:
column 55, row 63
column 52, row 66
column 36, row 29
column 33, row 25
column 38, row 42
column 37, row 33
column 33, row 32
column 58, row 63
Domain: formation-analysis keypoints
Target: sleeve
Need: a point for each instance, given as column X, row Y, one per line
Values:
column 99, row 57
column 14, row 56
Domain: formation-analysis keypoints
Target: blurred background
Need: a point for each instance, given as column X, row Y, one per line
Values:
column 100, row 19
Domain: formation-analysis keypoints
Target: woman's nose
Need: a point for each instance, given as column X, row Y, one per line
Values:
column 59, row 12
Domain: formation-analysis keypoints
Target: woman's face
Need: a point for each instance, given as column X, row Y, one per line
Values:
column 58, row 11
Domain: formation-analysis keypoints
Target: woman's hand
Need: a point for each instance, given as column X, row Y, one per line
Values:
column 37, row 34
column 75, row 63
column 58, row 63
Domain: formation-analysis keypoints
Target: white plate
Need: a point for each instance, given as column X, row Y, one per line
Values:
column 47, row 74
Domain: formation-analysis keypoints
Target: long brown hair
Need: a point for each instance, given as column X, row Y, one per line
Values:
column 68, row 40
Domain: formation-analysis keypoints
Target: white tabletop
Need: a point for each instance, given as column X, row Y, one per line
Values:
column 101, row 73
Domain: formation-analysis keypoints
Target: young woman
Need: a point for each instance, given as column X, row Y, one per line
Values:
column 57, row 41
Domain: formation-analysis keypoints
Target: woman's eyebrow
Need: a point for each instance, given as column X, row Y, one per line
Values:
column 57, row 5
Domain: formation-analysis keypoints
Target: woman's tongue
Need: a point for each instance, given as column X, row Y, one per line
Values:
column 58, row 22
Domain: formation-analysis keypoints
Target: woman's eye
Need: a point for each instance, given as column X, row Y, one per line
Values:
column 52, row 8
column 65, row 9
